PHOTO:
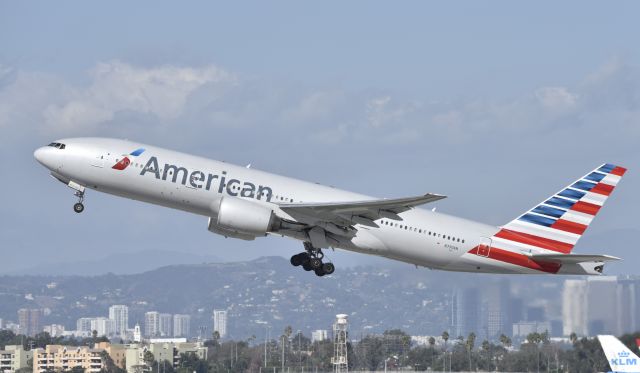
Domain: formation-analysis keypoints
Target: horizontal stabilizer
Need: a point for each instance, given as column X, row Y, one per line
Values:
column 572, row 258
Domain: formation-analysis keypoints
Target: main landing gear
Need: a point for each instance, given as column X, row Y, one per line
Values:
column 311, row 260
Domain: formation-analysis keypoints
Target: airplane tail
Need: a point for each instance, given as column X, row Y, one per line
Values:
column 620, row 358
column 555, row 225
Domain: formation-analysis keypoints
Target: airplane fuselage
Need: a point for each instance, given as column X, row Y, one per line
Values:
column 196, row 185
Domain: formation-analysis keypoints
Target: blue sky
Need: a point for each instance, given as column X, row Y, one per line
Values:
column 495, row 104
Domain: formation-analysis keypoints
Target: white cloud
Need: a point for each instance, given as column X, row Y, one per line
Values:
column 209, row 99
column 556, row 98
column 116, row 86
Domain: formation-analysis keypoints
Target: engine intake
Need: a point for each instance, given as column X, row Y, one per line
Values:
column 239, row 218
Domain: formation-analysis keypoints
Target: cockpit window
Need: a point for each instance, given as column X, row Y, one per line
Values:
column 57, row 145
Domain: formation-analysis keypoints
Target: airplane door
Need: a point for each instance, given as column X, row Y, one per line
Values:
column 484, row 248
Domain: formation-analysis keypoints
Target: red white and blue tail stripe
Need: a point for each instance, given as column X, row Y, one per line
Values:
column 557, row 223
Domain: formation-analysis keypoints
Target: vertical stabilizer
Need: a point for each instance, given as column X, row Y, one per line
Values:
column 619, row 356
column 556, row 224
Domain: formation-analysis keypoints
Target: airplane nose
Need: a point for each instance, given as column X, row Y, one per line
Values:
column 39, row 155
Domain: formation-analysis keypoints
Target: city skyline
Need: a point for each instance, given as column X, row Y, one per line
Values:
column 590, row 306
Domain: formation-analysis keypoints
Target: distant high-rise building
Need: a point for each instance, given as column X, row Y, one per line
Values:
column 465, row 311
column 120, row 316
column 29, row 321
column 1, row 324
column 165, row 323
column 496, row 297
column 103, row 326
column 152, row 324
column 574, row 307
column 220, row 322
column 84, row 324
column 602, row 305
column 181, row 325
column 628, row 293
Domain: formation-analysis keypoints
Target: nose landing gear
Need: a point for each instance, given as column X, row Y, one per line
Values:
column 311, row 260
column 78, row 207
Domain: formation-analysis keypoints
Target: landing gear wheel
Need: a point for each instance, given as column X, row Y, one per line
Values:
column 307, row 267
column 78, row 207
column 299, row 259
column 315, row 263
column 328, row 268
column 319, row 272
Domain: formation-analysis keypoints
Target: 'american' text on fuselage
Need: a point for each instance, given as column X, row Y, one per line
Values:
column 201, row 180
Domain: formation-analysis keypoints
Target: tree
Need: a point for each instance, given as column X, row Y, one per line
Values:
column 506, row 341
column 471, row 340
column 432, row 343
column 149, row 359
column 445, row 337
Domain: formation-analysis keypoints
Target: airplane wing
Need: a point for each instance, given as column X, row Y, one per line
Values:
column 348, row 213
column 572, row 258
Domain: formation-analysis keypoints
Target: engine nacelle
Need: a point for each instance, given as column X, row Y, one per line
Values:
column 239, row 218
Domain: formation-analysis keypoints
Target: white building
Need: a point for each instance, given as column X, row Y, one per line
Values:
column 152, row 324
column 165, row 324
column 220, row 322
column 523, row 328
column 13, row 358
column 181, row 325
column 54, row 330
column 103, row 326
column 319, row 335
column 120, row 316
column 574, row 307
column 84, row 324
column 137, row 334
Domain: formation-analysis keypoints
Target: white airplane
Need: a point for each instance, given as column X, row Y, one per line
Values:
column 245, row 203
column 620, row 358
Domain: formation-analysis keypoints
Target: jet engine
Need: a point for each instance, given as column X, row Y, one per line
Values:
column 239, row 218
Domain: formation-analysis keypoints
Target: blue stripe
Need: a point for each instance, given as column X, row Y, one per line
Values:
column 584, row 185
column 570, row 193
column 560, row 202
column 549, row 211
column 137, row 152
column 607, row 168
column 536, row 219
column 595, row 177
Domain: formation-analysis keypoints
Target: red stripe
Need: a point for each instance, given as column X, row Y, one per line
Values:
column 619, row 171
column 569, row 226
column 519, row 259
column 529, row 239
column 602, row 188
column 586, row 207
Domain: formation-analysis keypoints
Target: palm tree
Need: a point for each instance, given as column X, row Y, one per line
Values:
column 471, row 340
column 445, row 337
column 432, row 342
